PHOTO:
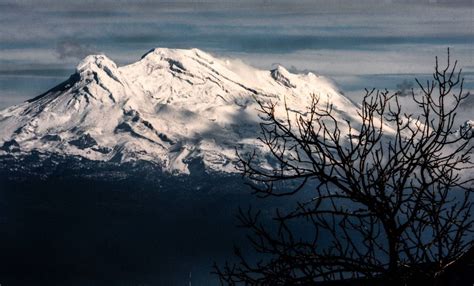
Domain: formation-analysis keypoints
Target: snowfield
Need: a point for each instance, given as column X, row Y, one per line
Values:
column 170, row 108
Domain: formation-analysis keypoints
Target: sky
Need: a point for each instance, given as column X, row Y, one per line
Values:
column 358, row 44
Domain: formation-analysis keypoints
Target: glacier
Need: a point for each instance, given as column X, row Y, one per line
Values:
column 170, row 108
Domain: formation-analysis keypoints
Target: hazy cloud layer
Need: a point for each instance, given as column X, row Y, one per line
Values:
column 73, row 49
column 346, row 40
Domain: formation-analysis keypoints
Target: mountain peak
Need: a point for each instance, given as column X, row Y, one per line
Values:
column 171, row 108
column 282, row 75
column 168, row 52
column 93, row 62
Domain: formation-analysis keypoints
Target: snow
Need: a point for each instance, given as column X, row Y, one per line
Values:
column 467, row 129
column 170, row 107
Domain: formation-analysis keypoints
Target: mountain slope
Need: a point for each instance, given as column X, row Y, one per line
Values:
column 170, row 107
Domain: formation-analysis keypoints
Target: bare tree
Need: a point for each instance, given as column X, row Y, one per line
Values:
column 390, row 194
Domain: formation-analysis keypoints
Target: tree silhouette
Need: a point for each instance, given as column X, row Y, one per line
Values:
column 390, row 193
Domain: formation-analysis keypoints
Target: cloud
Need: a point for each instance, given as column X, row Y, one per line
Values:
column 367, row 43
column 468, row 103
column 405, row 87
column 73, row 49
column 387, row 60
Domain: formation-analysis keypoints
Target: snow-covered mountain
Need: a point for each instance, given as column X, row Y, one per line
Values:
column 171, row 107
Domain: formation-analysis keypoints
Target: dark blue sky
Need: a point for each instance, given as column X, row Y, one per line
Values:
column 363, row 44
